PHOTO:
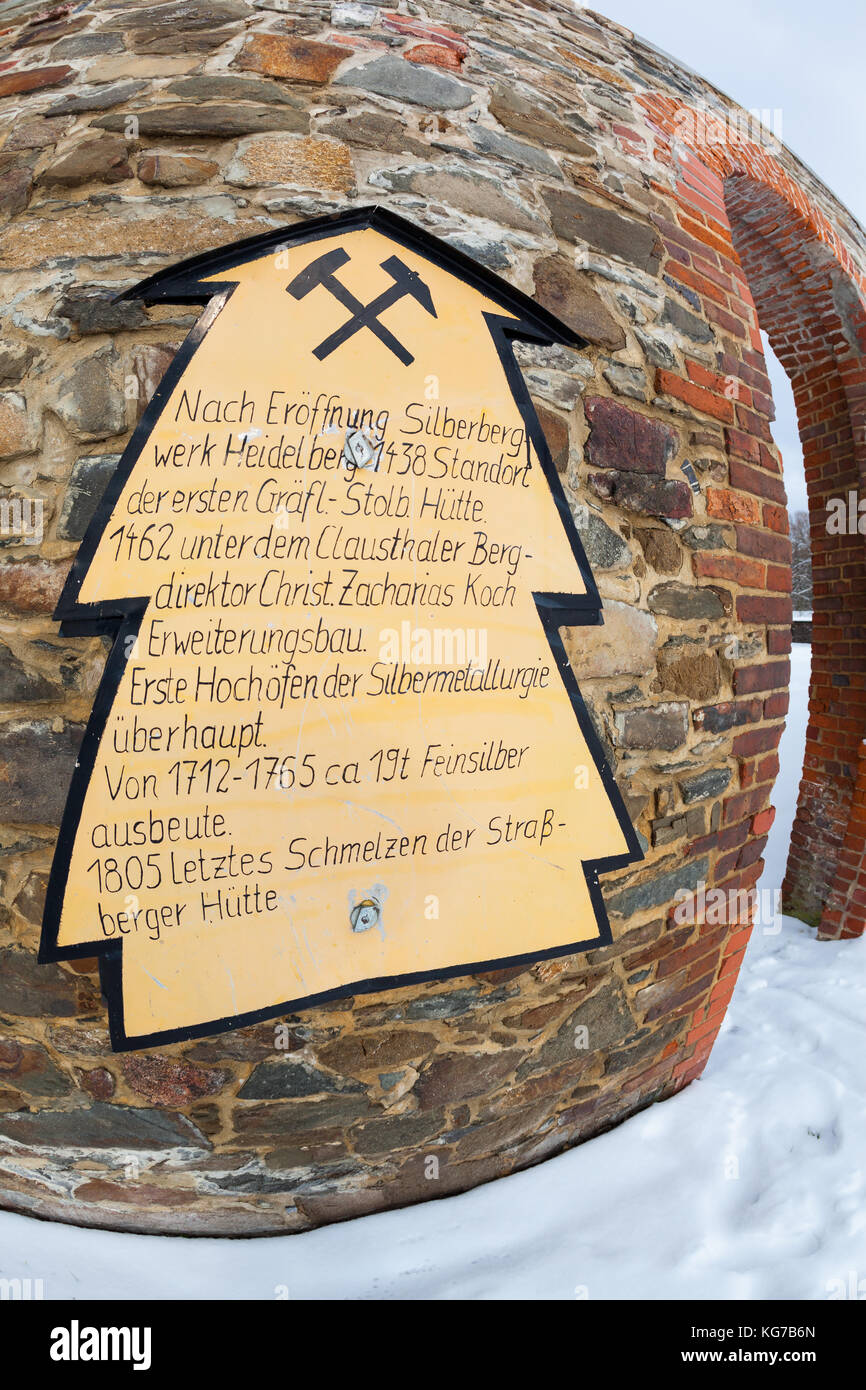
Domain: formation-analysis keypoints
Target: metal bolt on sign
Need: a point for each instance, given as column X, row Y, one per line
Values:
column 364, row 915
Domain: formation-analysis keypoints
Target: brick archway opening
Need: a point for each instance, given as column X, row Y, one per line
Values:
column 812, row 315
column 760, row 251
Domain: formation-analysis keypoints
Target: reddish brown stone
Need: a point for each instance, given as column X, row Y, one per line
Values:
column 696, row 675
column 460, row 1075
column 661, row 549
column 16, row 181
column 639, row 493
column 175, row 170
column 98, row 1082
column 47, row 33
column 538, row 1017
column 568, row 294
column 623, row 439
column 29, row 1068
column 300, row 60
column 556, row 433
column 375, row 1051
column 31, row 586
column 435, row 55
column 247, row 1044
column 103, row 160
column 34, row 79
column 36, row 134
column 420, row 29
column 166, row 1081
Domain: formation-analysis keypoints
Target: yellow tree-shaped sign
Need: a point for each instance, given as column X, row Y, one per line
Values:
column 338, row 745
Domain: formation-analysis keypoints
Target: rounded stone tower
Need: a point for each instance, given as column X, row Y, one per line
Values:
column 663, row 225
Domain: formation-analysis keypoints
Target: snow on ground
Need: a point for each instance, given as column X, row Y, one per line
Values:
column 749, row 1184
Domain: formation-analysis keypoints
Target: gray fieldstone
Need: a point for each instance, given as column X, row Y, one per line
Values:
column 397, row 1132
column 87, row 483
column 606, row 1018
column 480, row 195
column 97, row 98
column 451, row 1005
column 104, row 1126
column 18, row 685
column 654, row 726
column 402, row 81
column 88, row 46
column 655, row 891
column 525, row 116
column 227, row 88
column 683, row 601
column 15, row 362
column 217, row 120
column 499, row 146
column 179, row 16
column 576, row 219
column 31, row 990
column 627, row 381
column 686, row 322
column 92, row 310
column 288, row 1080
column 705, row 537
column 28, row 1068
column 605, row 549
column 658, row 350
column 490, row 253
column 278, row 1121
column 710, row 783
column 89, row 400
column 36, row 765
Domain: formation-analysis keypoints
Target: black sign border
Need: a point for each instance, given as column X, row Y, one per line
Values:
column 121, row 618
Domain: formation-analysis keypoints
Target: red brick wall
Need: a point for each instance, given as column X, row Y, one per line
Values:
column 757, row 250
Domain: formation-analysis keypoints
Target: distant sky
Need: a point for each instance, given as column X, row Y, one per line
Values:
column 804, row 58
column 785, row 432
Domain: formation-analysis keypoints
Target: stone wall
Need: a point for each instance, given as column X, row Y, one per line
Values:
column 619, row 190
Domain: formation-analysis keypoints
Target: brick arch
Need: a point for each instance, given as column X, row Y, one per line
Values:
column 771, row 256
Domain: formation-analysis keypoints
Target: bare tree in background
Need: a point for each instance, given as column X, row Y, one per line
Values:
column 801, row 561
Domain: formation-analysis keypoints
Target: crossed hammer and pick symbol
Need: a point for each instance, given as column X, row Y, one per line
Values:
column 406, row 282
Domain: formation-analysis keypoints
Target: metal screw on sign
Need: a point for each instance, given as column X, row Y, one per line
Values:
column 360, row 450
column 365, row 915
